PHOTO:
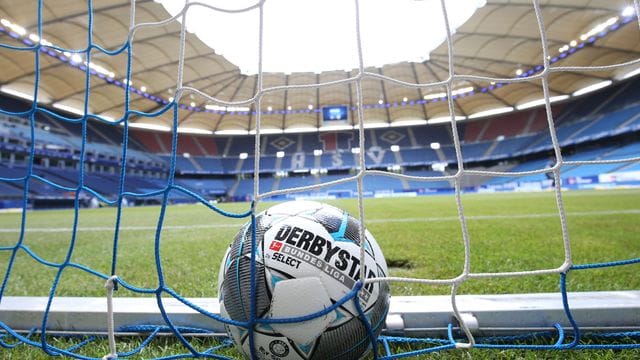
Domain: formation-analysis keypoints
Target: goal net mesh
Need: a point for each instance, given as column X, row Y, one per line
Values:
column 459, row 335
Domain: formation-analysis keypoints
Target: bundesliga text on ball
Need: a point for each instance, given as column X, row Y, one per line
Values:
column 293, row 245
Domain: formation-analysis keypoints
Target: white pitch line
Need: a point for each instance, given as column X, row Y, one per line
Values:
column 508, row 216
column 368, row 221
column 125, row 228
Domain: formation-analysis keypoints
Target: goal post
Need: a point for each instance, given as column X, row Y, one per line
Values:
column 414, row 324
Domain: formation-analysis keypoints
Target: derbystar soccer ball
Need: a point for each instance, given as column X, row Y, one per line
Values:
column 307, row 258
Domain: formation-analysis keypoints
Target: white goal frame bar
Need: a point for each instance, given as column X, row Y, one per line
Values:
column 484, row 315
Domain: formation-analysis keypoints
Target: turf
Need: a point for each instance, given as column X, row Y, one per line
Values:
column 421, row 238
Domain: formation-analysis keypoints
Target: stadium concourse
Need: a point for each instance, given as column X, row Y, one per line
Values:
column 604, row 125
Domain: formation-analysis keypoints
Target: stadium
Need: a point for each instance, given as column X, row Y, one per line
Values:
column 498, row 169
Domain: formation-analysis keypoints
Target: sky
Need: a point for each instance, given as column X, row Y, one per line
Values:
column 320, row 35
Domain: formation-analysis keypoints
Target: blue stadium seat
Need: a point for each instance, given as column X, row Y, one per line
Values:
column 297, row 181
column 509, row 146
column 420, row 156
column 209, row 164
column 630, row 94
column 585, row 106
column 379, row 157
column 633, row 167
column 229, row 164
column 267, row 163
column 610, row 121
column 425, row 135
column 13, row 172
column 382, row 183
column 297, row 161
column 564, row 133
column 311, row 142
column 245, row 187
column 10, row 190
column 36, row 186
column 106, row 186
column 522, row 167
column 587, row 154
column 337, row 160
column 182, row 163
column 204, row 187
column 450, row 153
column 627, row 151
column 474, row 151
column 241, row 144
column 247, row 165
column 431, row 184
column 590, row 170
column 372, row 183
column 349, row 186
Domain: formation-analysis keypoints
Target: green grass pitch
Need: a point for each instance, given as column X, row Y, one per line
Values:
column 420, row 237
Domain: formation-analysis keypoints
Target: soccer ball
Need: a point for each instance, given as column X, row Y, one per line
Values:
column 307, row 258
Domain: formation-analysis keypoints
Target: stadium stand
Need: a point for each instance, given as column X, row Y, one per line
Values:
column 239, row 144
column 205, row 187
column 296, row 181
column 188, row 144
column 473, row 131
column 246, row 165
column 285, row 142
column 522, row 167
column 340, row 190
column 425, row 135
column 587, row 106
column 207, row 144
column 539, row 119
column 244, row 189
column 376, row 157
column 590, row 170
column 396, row 136
column 632, row 167
column 230, row 165
column 210, row 164
column 420, row 186
column 470, row 152
column 507, row 126
column 604, row 125
column 10, row 190
column 509, row 146
column 625, row 151
column 151, row 141
column 448, row 153
column 420, row 156
column 183, row 164
column 338, row 160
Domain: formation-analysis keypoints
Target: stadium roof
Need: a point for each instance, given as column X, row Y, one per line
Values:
column 501, row 40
